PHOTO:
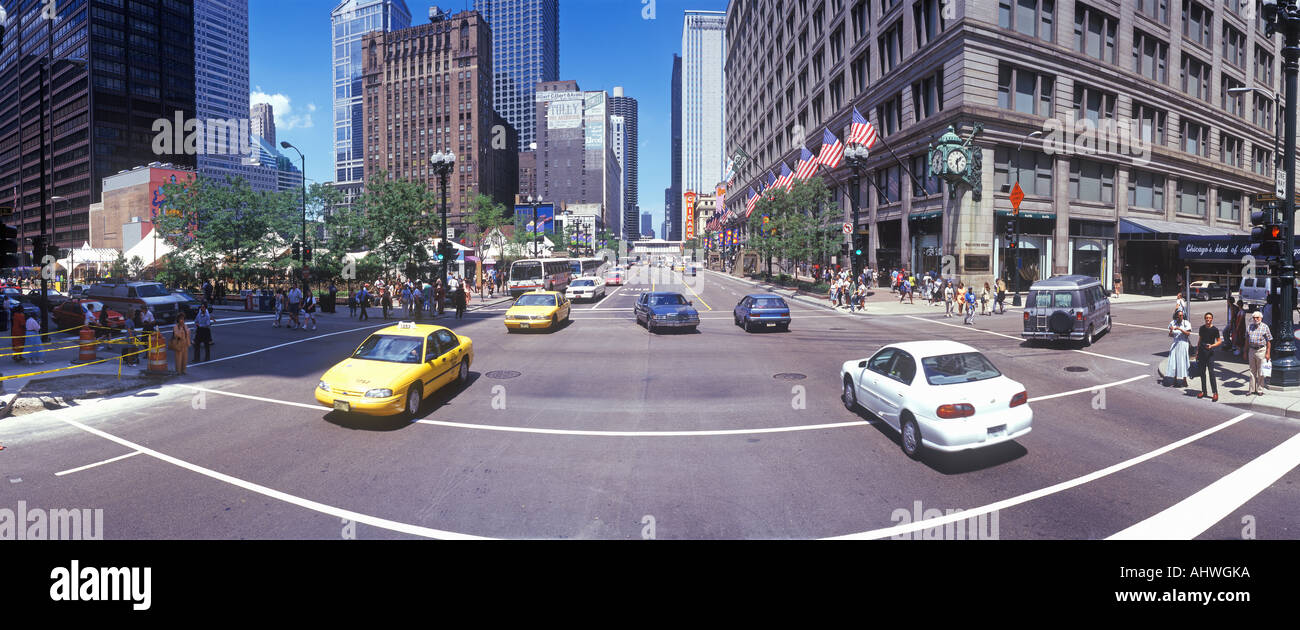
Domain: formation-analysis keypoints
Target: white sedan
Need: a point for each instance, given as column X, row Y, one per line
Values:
column 956, row 400
column 585, row 288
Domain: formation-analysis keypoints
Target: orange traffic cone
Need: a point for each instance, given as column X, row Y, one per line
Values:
column 88, row 346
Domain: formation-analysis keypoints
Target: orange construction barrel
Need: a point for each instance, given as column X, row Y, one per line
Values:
column 88, row 345
column 157, row 354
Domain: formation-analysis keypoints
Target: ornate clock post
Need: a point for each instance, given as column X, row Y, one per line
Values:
column 953, row 159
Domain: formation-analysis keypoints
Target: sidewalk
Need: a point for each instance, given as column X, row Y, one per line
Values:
column 59, row 363
column 880, row 301
column 1234, row 383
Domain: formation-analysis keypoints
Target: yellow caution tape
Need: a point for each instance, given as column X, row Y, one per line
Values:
column 48, row 333
column 73, row 367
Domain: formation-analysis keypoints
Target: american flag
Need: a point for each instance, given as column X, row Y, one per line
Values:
column 861, row 131
column 807, row 165
column 832, row 152
column 771, row 181
column 787, row 178
column 749, row 205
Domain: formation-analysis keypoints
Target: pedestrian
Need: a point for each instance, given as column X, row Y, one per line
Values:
column 385, row 300
column 984, row 300
column 18, row 329
column 970, row 306
column 1155, row 284
column 352, row 304
column 309, row 311
column 104, row 329
column 1180, row 304
column 460, row 300
column 406, row 299
column 128, row 349
column 947, row 298
column 363, row 302
column 33, row 329
column 1001, row 304
column 1180, row 330
column 333, row 303
column 180, row 343
column 295, row 303
column 961, row 299
column 1207, row 339
column 203, row 334
column 439, row 296
column 147, row 322
column 1260, row 348
column 207, row 290
column 136, row 324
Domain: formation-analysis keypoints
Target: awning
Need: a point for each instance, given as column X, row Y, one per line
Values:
column 1171, row 230
column 1027, row 215
column 926, row 215
column 1222, row 248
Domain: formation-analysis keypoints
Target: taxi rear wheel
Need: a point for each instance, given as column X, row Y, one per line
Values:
column 414, row 397
column 462, row 377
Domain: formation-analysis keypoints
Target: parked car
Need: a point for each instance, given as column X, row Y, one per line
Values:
column 1073, row 308
column 939, row 394
column 1207, row 290
column 762, row 310
column 189, row 304
column 124, row 296
column 54, row 297
column 72, row 313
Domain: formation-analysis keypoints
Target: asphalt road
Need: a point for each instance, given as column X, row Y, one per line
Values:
column 610, row 432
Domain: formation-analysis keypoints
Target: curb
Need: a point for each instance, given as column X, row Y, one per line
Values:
column 1279, row 404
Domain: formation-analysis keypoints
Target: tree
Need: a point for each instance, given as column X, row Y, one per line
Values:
column 486, row 215
column 135, row 267
column 117, row 270
column 394, row 220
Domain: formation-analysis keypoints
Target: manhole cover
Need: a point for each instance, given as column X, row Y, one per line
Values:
column 789, row 376
column 1075, row 368
column 503, row 374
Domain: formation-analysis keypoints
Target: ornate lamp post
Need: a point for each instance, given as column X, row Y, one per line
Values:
column 443, row 163
column 856, row 155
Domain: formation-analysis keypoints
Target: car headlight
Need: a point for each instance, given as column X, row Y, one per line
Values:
column 379, row 393
column 323, row 386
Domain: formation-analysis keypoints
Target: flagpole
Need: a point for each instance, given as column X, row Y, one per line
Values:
column 915, row 181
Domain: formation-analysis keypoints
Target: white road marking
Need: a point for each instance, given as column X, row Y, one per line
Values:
column 1115, row 323
column 606, row 299
column 990, row 332
column 251, row 397
column 886, row 532
column 365, row 519
column 87, row 466
column 1190, row 517
column 1088, row 389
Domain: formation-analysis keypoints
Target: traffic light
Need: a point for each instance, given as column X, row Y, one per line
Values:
column 297, row 251
column 1011, row 235
column 9, row 247
column 446, row 251
column 306, row 253
column 1266, row 233
column 53, row 252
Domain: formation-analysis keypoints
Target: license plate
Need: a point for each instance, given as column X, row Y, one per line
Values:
column 771, row 324
column 998, row 431
column 342, row 405
column 523, row 324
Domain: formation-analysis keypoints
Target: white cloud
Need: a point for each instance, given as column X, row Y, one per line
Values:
column 286, row 117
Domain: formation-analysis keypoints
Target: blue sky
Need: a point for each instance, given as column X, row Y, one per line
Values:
column 603, row 43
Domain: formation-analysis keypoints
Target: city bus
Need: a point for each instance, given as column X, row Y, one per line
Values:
column 551, row 274
column 588, row 267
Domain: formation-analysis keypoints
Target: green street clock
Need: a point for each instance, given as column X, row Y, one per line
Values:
column 953, row 159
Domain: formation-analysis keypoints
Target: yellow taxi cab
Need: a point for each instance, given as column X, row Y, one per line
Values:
column 395, row 369
column 538, row 309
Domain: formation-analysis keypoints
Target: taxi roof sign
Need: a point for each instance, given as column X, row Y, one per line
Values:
column 406, row 325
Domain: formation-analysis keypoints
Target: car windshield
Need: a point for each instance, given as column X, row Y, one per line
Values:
column 525, row 272
column 391, row 348
column 150, row 290
column 667, row 300
column 965, row 367
column 769, row 303
column 583, row 283
column 535, row 300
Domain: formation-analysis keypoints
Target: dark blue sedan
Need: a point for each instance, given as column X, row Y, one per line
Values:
column 663, row 309
column 762, row 310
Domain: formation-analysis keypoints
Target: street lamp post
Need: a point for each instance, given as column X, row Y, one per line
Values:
column 1284, row 16
column 443, row 163
column 535, row 204
column 856, row 155
column 286, row 145
column 1015, row 301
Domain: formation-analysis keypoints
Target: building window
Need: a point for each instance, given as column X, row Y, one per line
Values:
column 1030, row 17
column 1234, row 103
column 1150, row 57
column 1263, row 114
column 927, row 96
column 1146, row 190
column 887, row 188
column 1195, row 76
column 1092, row 181
column 1230, row 150
column 1151, row 123
column 1192, row 197
column 1234, row 45
column 890, row 48
column 1196, row 138
column 1025, row 91
column 1263, row 66
column 860, row 15
column 1230, row 205
column 1157, row 10
column 927, row 21
column 921, row 170
column 1094, row 33
column 1262, row 161
column 1093, row 104
column 1032, row 169
column 890, row 115
column 859, row 71
column 1196, row 23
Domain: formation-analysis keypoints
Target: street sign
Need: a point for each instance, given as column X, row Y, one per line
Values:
column 848, row 229
column 1280, row 183
column 1017, row 196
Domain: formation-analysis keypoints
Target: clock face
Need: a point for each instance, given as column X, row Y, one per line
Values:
column 936, row 164
column 956, row 161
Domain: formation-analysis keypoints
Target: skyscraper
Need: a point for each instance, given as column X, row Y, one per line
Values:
column 703, row 105
column 646, row 226
column 221, row 80
column 673, row 195
column 575, row 159
column 92, row 130
column 525, row 52
column 351, row 20
column 625, row 107
column 263, row 121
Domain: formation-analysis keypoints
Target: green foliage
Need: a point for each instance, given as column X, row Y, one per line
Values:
column 803, row 224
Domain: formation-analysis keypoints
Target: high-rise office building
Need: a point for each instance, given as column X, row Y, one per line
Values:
column 426, row 91
column 143, row 71
column 646, row 226
column 625, row 107
column 221, row 83
column 525, row 52
column 673, row 195
column 350, row 21
column 1143, row 149
column 263, row 121
column 704, row 127
column 575, row 159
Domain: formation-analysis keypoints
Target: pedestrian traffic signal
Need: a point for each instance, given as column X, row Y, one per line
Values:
column 9, row 247
column 306, row 253
column 53, row 252
column 297, row 251
column 1266, row 233
column 1011, row 235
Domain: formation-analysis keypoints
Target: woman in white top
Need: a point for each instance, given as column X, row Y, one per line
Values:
column 34, row 340
column 1179, row 363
